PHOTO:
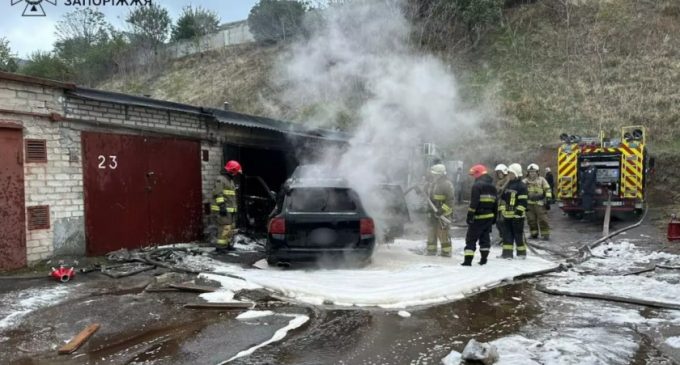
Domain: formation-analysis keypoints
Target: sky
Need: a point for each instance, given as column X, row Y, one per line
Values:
column 30, row 34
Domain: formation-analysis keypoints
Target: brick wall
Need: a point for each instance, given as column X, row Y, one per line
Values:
column 58, row 182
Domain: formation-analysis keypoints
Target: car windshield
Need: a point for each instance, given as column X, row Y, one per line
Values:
column 321, row 200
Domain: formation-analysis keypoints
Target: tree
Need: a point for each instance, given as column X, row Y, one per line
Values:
column 8, row 62
column 47, row 65
column 85, row 24
column 273, row 20
column 150, row 25
column 195, row 22
column 86, row 45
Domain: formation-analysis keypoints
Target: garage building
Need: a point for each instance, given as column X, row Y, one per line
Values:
column 86, row 171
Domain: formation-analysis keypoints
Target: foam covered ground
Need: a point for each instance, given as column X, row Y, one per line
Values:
column 398, row 277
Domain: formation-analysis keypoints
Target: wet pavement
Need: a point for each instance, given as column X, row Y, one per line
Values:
column 139, row 327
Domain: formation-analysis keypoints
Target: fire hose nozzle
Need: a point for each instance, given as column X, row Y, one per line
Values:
column 63, row 274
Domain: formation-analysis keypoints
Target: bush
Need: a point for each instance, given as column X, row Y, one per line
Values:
column 193, row 23
column 46, row 65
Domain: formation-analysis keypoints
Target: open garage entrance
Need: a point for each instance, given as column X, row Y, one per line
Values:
column 264, row 170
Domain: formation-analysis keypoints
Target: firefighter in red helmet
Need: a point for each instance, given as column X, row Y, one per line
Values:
column 481, row 215
column 225, row 204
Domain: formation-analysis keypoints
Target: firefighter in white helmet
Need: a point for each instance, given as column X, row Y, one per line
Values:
column 540, row 196
column 513, row 205
column 441, row 198
column 501, row 181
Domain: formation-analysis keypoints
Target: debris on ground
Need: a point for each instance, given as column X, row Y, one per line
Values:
column 255, row 295
column 223, row 305
column 80, row 339
column 482, row 352
column 126, row 269
column 172, row 257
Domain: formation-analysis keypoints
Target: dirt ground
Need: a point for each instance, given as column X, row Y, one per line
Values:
column 138, row 326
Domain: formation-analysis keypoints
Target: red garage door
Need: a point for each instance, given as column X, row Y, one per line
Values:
column 140, row 191
column 12, row 217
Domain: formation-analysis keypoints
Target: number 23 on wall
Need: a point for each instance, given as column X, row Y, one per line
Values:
column 112, row 162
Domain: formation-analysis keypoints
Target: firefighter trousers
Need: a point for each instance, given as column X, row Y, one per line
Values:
column 537, row 217
column 514, row 238
column 438, row 231
column 479, row 230
column 225, row 231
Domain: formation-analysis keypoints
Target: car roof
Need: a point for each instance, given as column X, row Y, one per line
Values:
column 331, row 182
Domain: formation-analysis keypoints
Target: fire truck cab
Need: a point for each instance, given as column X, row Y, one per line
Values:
column 621, row 170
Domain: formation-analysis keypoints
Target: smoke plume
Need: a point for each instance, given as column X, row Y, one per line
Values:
column 358, row 67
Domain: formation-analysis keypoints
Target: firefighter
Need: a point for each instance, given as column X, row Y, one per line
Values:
column 441, row 198
column 540, row 196
column 501, row 180
column 513, row 206
column 481, row 215
column 588, row 187
column 225, row 204
column 551, row 181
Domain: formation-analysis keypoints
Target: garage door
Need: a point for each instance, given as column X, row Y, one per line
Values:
column 12, row 217
column 140, row 191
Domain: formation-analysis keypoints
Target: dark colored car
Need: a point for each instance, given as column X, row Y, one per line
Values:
column 318, row 219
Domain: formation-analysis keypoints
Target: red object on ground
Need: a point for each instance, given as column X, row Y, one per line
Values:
column 674, row 229
column 63, row 274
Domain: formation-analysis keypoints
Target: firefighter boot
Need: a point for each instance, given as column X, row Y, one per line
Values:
column 467, row 261
column 485, row 255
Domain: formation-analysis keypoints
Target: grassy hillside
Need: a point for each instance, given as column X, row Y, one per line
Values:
column 549, row 67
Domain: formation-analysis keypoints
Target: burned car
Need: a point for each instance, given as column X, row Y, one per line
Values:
column 319, row 219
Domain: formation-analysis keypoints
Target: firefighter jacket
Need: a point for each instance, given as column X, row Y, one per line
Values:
column 483, row 202
column 440, row 192
column 224, row 196
column 539, row 190
column 513, row 202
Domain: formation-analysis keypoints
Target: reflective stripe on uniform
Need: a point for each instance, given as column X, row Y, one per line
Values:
column 522, row 197
column 485, row 216
column 487, row 198
column 439, row 197
column 508, row 246
column 521, row 248
column 469, row 252
column 446, row 249
column 229, row 192
column 215, row 208
column 219, row 200
column 446, row 209
column 231, row 210
column 221, row 242
column 471, row 210
column 521, row 208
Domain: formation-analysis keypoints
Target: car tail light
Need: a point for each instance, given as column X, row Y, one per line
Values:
column 366, row 227
column 277, row 226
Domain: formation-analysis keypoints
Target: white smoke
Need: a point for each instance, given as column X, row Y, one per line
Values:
column 360, row 59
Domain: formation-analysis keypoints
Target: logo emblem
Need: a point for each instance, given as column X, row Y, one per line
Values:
column 34, row 7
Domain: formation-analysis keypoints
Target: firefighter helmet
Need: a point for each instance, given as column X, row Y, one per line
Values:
column 502, row 168
column 532, row 167
column 438, row 169
column 233, row 167
column 477, row 170
column 516, row 169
